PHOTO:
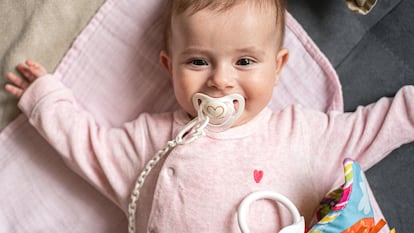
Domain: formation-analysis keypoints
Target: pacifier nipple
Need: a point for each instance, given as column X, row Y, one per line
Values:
column 222, row 112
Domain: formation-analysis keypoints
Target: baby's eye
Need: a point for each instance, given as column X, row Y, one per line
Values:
column 198, row 62
column 244, row 62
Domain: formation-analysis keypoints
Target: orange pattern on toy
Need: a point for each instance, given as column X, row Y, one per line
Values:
column 366, row 224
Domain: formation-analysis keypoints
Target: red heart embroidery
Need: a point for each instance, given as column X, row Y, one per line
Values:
column 258, row 175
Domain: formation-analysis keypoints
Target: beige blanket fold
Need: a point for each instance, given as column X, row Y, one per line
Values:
column 40, row 30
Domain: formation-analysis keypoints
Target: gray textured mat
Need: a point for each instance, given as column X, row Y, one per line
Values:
column 374, row 57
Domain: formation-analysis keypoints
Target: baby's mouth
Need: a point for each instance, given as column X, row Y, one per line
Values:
column 221, row 112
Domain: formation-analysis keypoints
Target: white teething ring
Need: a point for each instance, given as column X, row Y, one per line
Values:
column 298, row 225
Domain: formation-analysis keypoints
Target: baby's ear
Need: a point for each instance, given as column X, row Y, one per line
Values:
column 166, row 61
column 281, row 59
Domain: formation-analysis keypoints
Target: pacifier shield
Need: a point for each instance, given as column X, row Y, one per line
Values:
column 222, row 112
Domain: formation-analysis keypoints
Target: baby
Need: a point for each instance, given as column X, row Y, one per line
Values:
column 224, row 59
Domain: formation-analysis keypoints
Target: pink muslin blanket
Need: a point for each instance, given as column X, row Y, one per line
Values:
column 113, row 70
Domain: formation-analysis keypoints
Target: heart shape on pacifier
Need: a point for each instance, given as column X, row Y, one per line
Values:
column 215, row 111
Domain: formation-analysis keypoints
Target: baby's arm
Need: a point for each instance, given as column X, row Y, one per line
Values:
column 31, row 71
column 106, row 157
column 367, row 135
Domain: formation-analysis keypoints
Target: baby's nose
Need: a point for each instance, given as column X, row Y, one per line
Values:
column 222, row 79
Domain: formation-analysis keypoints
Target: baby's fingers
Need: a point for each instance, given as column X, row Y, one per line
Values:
column 14, row 90
column 37, row 69
column 17, row 81
column 26, row 72
column 17, row 85
column 31, row 70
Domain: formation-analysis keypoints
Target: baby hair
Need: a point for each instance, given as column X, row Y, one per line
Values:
column 177, row 7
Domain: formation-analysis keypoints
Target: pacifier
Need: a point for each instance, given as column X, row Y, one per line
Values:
column 298, row 225
column 221, row 112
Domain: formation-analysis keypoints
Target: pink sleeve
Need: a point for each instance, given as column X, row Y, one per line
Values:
column 366, row 135
column 107, row 158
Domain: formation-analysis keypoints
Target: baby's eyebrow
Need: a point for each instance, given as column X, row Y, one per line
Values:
column 251, row 50
column 194, row 50
column 247, row 50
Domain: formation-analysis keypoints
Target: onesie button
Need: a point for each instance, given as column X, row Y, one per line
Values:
column 171, row 171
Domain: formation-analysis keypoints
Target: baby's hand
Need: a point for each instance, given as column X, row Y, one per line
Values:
column 30, row 71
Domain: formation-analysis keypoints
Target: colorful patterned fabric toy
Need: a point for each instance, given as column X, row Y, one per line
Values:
column 347, row 209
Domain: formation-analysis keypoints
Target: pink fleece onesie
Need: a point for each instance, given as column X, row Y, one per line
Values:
column 297, row 152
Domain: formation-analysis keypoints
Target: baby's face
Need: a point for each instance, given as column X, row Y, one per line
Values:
column 222, row 53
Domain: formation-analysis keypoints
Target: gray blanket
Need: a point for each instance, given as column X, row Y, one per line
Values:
column 373, row 56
